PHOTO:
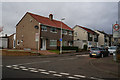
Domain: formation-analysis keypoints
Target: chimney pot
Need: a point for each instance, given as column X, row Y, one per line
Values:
column 51, row 17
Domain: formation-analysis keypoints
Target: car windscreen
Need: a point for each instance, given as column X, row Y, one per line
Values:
column 94, row 48
column 112, row 48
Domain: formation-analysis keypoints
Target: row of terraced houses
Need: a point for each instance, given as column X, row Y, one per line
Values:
column 31, row 25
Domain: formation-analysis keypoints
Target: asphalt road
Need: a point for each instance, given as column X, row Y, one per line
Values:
column 67, row 67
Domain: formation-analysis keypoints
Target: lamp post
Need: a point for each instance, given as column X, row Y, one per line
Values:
column 61, row 37
column 39, row 37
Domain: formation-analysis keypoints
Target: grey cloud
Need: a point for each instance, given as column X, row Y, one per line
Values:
column 94, row 15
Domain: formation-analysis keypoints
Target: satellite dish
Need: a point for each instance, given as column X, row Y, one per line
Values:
column 36, row 27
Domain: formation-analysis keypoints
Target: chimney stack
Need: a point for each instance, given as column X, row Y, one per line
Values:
column 51, row 17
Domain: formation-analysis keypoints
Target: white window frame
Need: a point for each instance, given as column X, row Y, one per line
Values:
column 64, row 32
column 18, row 43
column 53, row 31
column 91, row 35
column 53, row 45
column 43, row 28
column 70, row 33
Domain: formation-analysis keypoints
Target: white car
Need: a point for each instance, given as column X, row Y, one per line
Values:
column 112, row 49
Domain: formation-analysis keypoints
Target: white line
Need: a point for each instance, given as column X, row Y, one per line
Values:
column 32, row 68
column 44, row 72
column 25, row 69
column 57, row 75
column 8, row 66
column 22, row 67
column 95, row 78
column 33, row 71
column 80, row 76
column 73, row 77
column 65, row 73
column 14, row 65
column 41, row 70
column 52, row 71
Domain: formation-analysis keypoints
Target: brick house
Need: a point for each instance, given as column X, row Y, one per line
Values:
column 11, row 41
column 31, row 25
column 84, row 36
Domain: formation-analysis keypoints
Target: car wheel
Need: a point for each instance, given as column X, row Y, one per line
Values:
column 102, row 55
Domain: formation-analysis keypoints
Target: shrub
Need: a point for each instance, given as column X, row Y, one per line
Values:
column 68, row 48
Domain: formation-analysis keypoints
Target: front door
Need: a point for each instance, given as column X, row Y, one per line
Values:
column 43, row 46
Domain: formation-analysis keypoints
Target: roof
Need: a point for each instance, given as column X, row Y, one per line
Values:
column 47, row 21
column 88, row 30
column 103, row 32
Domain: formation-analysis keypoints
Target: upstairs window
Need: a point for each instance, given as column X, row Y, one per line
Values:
column 44, row 28
column 75, row 34
column 70, row 33
column 64, row 32
column 54, row 30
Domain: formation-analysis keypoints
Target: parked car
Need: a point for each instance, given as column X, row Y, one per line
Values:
column 112, row 49
column 98, row 52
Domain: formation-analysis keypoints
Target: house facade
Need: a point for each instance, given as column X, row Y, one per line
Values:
column 43, row 33
column 11, row 41
column 84, row 36
column 103, row 39
column 4, row 41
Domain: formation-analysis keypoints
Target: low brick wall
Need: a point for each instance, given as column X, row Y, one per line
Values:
column 18, row 53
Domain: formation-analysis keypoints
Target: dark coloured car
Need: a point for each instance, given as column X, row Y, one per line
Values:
column 98, row 52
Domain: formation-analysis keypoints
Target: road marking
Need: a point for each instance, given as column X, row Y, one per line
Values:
column 8, row 66
column 25, row 69
column 73, row 77
column 14, row 65
column 32, row 68
column 80, row 76
column 52, row 71
column 33, row 71
column 22, row 67
column 57, row 75
column 44, row 72
column 96, row 78
column 41, row 70
column 65, row 73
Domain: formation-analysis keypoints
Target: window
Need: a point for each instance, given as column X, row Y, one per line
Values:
column 75, row 33
column 90, row 35
column 70, row 32
column 53, row 42
column 64, row 32
column 64, row 43
column 95, row 36
column 44, row 28
column 18, row 43
column 70, row 43
column 54, row 30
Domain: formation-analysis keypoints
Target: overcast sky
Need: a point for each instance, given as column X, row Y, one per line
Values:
column 93, row 15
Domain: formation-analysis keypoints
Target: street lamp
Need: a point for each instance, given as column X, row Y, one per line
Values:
column 61, row 37
column 39, row 37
